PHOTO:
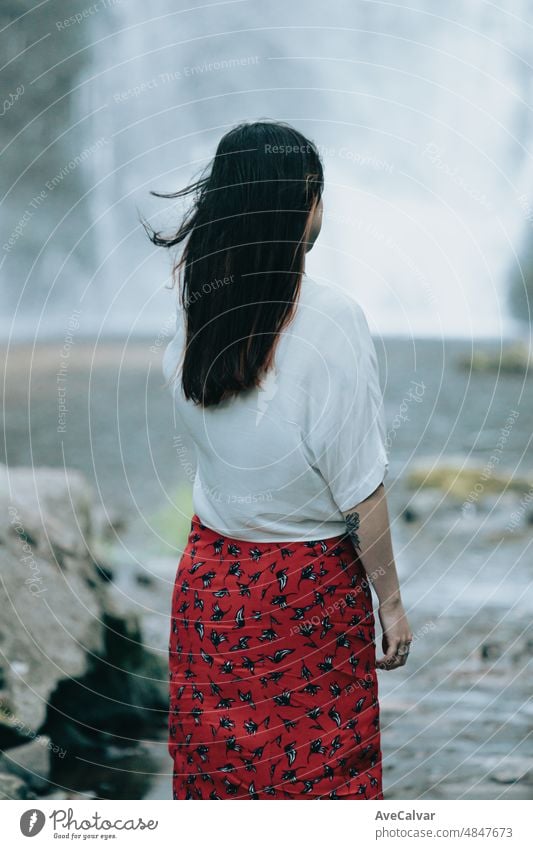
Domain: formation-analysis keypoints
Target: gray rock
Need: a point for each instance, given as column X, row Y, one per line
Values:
column 52, row 600
column 422, row 504
column 108, row 523
column 76, row 665
column 31, row 762
column 513, row 769
column 13, row 787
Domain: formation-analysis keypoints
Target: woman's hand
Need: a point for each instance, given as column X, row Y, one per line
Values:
column 369, row 529
column 397, row 635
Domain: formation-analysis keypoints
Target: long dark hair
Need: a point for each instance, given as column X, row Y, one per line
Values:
column 245, row 237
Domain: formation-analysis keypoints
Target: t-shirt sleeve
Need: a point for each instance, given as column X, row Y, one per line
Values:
column 346, row 431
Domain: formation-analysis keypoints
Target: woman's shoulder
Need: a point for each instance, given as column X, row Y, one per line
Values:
column 336, row 314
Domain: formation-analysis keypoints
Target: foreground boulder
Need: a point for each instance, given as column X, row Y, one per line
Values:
column 51, row 598
column 72, row 661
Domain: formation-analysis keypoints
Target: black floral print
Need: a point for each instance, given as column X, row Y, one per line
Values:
column 273, row 685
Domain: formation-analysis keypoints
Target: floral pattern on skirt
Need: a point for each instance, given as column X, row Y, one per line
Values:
column 273, row 685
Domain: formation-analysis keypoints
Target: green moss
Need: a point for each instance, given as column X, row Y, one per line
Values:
column 461, row 482
column 513, row 359
column 173, row 521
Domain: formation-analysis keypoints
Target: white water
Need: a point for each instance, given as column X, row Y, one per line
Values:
column 421, row 110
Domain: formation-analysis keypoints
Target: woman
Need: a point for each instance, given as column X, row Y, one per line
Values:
column 273, row 684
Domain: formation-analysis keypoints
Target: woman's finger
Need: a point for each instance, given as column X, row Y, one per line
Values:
column 403, row 651
column 396, row 655
column 392, row 650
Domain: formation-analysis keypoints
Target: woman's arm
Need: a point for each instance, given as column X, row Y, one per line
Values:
column 368, row 526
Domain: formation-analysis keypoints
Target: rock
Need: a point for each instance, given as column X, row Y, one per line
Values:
column 128, row 688
column 70, row 795
column 13, row 787
column 409, row 515
column 108, row 523
column 125, row 704
column 51, row 602
column 513, row 769
column 76, row 667
column 123, row 646
column 528, row 646
column 490, row 651
column 516, row 358
column 421, row 504
column 55, row 505
column 104, row 572
column 464, row 480
column 31, row 762
column 144, row 580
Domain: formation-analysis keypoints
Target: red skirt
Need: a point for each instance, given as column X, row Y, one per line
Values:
column 273, row 683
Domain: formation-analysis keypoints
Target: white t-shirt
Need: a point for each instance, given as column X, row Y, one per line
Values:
column 281, row 462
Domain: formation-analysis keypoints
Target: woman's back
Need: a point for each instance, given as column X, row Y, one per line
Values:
column 272, row 661
column 281, row 462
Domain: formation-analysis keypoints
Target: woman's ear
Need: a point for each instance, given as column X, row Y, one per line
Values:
column 314, row 225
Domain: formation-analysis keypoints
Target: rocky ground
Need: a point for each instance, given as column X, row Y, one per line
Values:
column 458, row 720
column 89, row 557
column 78, row 685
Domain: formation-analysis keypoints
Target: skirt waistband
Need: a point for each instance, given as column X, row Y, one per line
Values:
column 326, row 544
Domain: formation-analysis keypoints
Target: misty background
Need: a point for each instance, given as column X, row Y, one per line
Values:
column 422, row 114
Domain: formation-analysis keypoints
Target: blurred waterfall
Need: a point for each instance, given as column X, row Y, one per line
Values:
column 423, row 119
